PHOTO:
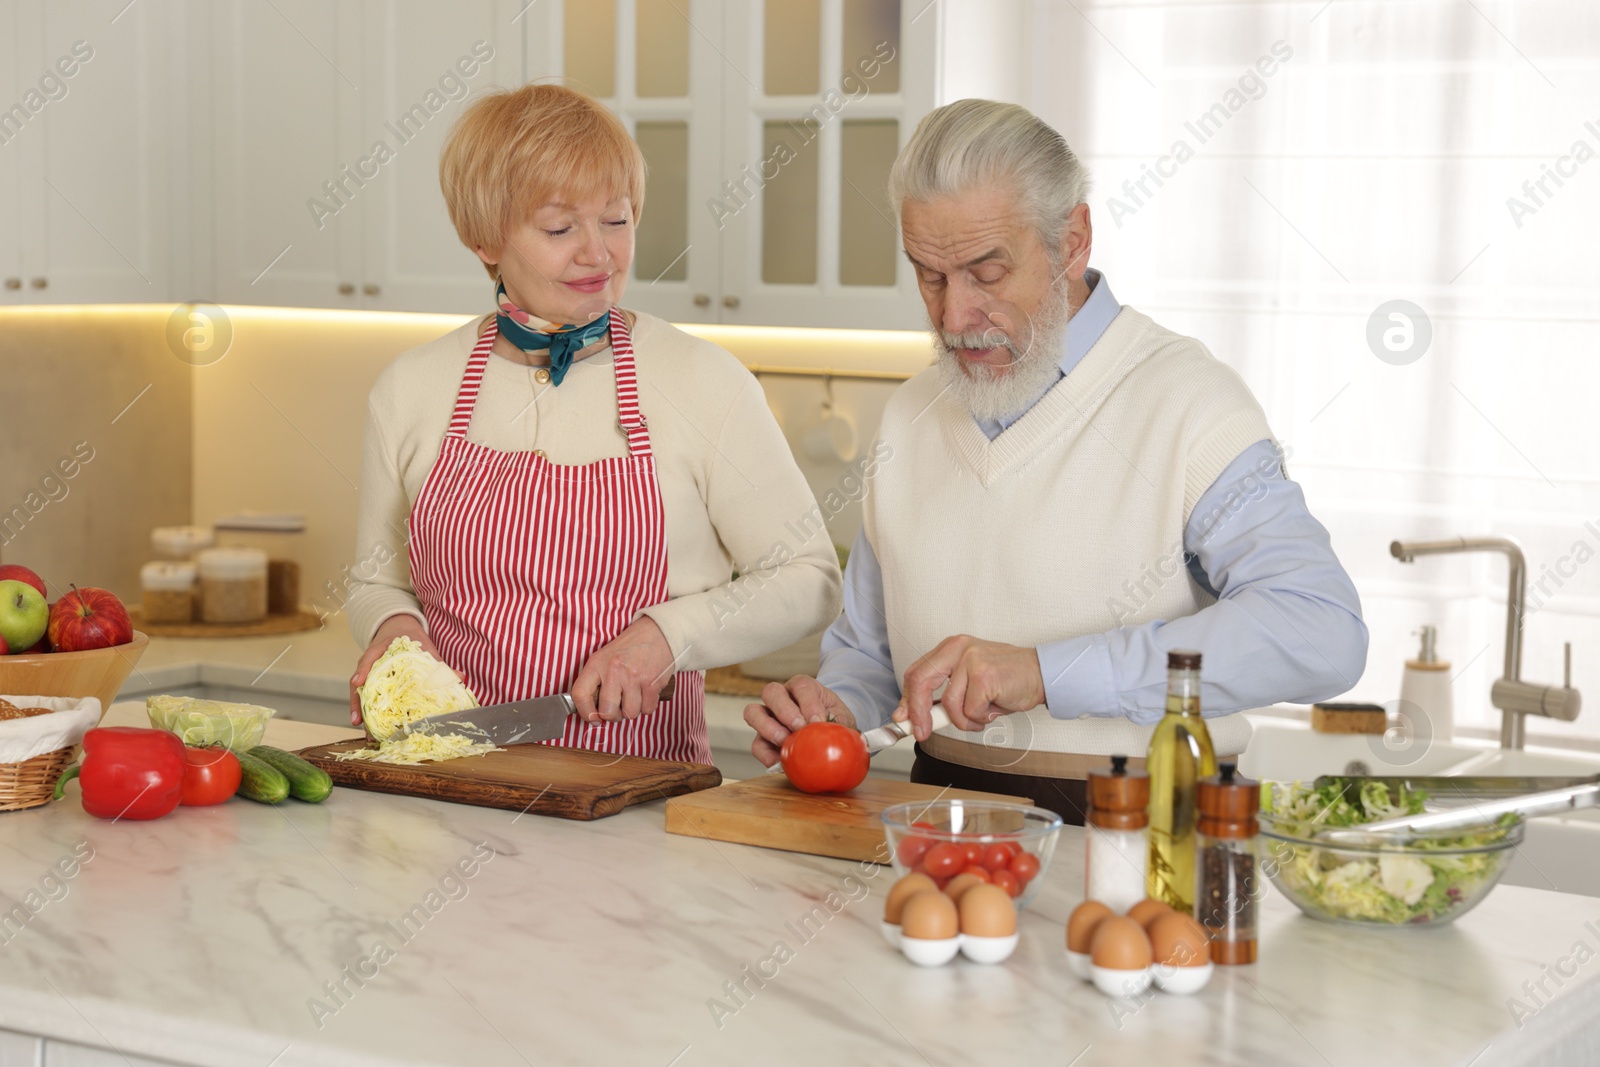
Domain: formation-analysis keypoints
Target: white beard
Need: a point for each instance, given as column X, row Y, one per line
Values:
column 995, row 393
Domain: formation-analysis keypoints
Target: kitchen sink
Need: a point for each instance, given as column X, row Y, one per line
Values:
column 1557, row 851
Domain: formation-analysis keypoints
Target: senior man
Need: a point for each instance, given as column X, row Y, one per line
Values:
column 1070, row 492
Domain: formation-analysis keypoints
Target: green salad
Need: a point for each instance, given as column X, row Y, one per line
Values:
column 1414, row 880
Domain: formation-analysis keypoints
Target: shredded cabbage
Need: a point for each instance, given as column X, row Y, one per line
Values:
column 407, row 749
column 1423, row 883
column 407, row 684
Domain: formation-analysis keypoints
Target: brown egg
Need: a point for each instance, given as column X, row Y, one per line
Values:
column 1120, row 944
column 1081, row 923
column 960, row 884
column 1178, row 941
column 929, row 916
column 987, row 911
column 902, row 891
column 1148, row 911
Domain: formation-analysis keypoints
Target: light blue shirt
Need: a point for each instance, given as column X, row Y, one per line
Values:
column 1286, row 625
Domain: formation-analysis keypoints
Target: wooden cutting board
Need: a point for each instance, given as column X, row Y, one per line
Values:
column 565, row 782
column 770, row 812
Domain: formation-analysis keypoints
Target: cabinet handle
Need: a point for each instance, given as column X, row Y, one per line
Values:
column 346, row 288
column 730, row 302
column 41, row 283
column 13, row 283
column 371, row 290
column 702, row 300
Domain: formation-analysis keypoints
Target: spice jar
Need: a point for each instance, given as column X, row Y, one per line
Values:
column 168, row 591
column 1227, row 874
column 1115, row 845
column 280, row 537
column 180, row 542
column 233, row 585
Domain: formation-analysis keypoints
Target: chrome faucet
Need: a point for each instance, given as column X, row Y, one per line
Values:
column 1515, row 698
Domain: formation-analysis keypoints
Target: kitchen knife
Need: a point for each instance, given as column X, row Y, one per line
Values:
column 517, row 722
column 887, row 735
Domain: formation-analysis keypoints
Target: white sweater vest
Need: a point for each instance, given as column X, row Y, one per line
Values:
column 1070, row 522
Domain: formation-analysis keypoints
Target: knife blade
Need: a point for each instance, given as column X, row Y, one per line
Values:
column 887, row 735
column 516, row 722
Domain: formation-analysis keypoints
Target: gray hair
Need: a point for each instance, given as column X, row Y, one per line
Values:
column 961, row 146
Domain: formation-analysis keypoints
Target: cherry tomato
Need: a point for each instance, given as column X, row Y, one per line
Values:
column 980, row 872
column 974, row 853
column 1008, row 881
column 1025, row 867
column 210, row 776
column 825, row 757
column 923, row 824
column 996, row 857
column 912, row 849
column 944, row 860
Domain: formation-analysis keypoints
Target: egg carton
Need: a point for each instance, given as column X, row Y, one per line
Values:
column 926, row 952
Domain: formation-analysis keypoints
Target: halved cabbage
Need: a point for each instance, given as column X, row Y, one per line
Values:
column 407, row 684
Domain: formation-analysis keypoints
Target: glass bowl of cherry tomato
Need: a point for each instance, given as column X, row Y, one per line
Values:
column 1009, row 845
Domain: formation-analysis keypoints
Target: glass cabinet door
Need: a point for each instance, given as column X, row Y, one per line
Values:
column 656, row 64
column 768, row 128
column 819, row 97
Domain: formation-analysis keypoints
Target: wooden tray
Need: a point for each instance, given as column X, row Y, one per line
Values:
column 770, row 812
column 568, row 783
column 299, row 622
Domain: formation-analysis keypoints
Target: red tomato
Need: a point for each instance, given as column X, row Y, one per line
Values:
column 981, row 873
column 210, row 776
column 996, row 857
column 912, row 849
column 1025, row 867
column 825, row 757
column 923, row 824
column 1008, row 881
column 974, row 853
column 944, row 860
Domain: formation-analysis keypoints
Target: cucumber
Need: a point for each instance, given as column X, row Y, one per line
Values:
column 306, row 782
column 261, row 781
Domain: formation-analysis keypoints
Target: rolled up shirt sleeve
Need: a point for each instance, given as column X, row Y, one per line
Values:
column 1286, row 625
column 856, row 663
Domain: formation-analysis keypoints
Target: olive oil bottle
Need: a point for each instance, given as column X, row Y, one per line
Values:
column 1180, row 755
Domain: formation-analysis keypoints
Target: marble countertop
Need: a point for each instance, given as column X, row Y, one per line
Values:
column 222, row 936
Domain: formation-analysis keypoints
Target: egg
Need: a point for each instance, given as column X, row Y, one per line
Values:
column 960, row 884
column 1178, row 941
column 1081, row 923
column 929, row 916
column 1120, row 944
column 1148, row 911
column 987, row 911
column 902, row 891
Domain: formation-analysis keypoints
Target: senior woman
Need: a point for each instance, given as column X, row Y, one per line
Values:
column 555, row 495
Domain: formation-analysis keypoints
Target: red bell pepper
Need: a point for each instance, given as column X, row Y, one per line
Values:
column 128, row 773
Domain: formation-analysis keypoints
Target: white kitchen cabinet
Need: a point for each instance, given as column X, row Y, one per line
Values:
column 768, row 142
column 329, row 119
column 85, row 160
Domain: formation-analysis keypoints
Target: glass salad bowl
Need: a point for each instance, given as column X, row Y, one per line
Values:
column 1394, row 878
column 927, row 837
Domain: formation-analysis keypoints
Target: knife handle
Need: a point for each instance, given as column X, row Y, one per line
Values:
column 670, row 687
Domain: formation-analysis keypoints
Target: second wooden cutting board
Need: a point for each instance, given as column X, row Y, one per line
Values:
column 770, row 812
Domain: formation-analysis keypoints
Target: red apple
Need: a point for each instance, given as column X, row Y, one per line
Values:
column 15, row 572
column 88, row 618
column 5, row 649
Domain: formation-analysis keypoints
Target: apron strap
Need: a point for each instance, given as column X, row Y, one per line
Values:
column 471, row 381
column 629, row 420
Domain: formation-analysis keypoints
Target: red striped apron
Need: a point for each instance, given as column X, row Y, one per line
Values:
column 524, row 568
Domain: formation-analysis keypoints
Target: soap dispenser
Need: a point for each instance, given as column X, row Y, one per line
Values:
column 1426, row 685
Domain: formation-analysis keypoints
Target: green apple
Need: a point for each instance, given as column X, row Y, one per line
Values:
column 24, row 614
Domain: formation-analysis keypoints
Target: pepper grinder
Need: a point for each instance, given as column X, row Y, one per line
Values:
column 1227, row 874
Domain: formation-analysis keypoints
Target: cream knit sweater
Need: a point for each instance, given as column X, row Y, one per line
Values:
column 729, row 484
column 1028, row 538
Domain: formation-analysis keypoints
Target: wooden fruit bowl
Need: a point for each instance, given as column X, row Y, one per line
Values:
column 99, row 672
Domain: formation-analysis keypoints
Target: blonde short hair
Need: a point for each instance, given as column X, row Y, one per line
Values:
column 515, row 150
